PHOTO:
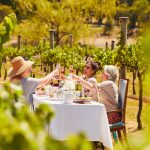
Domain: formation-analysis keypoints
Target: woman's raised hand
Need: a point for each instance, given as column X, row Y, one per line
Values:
column 55, row 72
column 75, row 77
column 62, row 76
column 58, row 74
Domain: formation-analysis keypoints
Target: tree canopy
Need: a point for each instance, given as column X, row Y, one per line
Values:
column 64, row 17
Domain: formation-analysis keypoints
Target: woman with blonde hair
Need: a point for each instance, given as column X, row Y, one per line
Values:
column 107, row 91
column 20, row 71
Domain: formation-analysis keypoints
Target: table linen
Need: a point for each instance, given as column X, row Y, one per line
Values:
column 73, row 118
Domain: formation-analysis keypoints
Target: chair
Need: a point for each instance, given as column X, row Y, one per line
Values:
column 122, row 99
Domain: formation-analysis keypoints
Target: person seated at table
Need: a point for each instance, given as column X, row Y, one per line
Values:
column 89, row 73
column 21, row 70
column 107, row 91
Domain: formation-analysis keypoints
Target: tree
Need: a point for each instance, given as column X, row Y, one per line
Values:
column 141, row 65
column 64, row 17
column 6, row 28
column 6, row 2
column 104, row 9
column 4, row 11
column 139, row 12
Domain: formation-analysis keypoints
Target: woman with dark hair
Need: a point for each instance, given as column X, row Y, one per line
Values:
column 89, row 73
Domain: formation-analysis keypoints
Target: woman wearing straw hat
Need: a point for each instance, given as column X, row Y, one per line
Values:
column 107, row 91
column 20, row 70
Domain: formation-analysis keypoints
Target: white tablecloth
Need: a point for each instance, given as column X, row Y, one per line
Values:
column 74, row 118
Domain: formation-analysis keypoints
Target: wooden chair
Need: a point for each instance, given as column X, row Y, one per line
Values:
column 122, row 99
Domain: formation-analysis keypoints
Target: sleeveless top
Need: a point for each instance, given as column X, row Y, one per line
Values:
column 89, row 93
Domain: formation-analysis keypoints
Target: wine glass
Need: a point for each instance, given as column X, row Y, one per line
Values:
column 71, row 69
column 62, row 70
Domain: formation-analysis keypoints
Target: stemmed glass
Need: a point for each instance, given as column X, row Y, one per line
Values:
column 62, row 70
column 71, row 69
column 56, row 78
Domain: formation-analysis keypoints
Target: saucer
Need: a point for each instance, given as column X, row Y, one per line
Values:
column 82, row 101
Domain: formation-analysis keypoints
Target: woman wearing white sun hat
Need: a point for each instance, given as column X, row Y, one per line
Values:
column 20, row 71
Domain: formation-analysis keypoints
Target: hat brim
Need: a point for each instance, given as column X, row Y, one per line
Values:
column 13, row 73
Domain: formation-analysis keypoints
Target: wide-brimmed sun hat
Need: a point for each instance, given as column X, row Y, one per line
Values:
column 19, row 65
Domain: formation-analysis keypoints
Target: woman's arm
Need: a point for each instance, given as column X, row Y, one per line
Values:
column 48, row 78
column 83, row 82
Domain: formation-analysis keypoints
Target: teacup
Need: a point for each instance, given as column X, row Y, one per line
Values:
column 48, row 90
column 55, row 89
column 68, row 97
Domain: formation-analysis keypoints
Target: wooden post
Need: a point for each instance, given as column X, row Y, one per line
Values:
column 25, row 42
column 45, row 70
column 44, row 42
column 52, row 38
column 33, row 75
column 19, row 41
column 70, row 40
column 112, row 45
column 123, row 21
column 106, row 45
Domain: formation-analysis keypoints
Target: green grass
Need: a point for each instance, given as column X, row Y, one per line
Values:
column 131, row 114
column 146, row 85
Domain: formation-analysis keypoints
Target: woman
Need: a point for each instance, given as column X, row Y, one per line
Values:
column 107, row 91
column 20, row 71
column 89, row 72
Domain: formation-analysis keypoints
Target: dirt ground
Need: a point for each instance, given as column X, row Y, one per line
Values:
column 101, row 41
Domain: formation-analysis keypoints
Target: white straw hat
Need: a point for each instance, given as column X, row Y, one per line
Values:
column 19, row 65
